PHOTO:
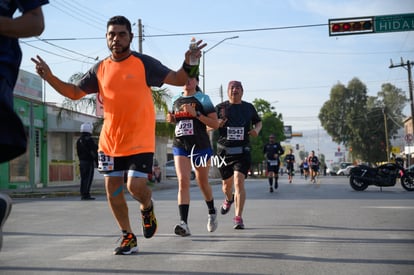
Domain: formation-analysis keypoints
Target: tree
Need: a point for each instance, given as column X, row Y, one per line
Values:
column 357, row 120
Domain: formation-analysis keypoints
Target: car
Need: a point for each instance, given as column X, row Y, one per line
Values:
column 345, row 171
column 332, row 171
column 344, row 165
column 170, row 170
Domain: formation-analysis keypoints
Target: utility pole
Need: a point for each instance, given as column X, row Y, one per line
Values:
column 410, row 89
column 140, row 37
column 410, row 86
column 386, row 135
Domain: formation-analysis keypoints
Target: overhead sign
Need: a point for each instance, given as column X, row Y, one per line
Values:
column 371, row 24
column 29, row 85
column 394, row 23
column 287, row 131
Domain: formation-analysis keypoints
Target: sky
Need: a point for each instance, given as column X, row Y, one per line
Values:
column 279, row 55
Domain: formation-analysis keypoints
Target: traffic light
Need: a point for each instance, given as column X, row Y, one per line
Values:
column 357, row 25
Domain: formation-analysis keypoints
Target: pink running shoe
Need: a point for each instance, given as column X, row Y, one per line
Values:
column 238, row 223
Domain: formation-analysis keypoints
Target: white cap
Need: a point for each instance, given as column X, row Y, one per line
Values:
column 86, row 127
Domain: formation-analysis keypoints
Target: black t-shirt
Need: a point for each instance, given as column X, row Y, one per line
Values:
column 240, row 118
column 271, row 149
column 290, row 160
column 314, row 161
column 189, row 130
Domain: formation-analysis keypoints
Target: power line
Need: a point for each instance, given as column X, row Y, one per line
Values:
column 206, row 33
column 241, row 30
column 90, row 13
column 75, row 15
column 71, row 51
column 52, row 53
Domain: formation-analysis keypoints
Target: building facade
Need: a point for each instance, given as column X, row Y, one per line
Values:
column 51, row 156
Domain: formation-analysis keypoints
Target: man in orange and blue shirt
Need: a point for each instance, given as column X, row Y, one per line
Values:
column 127, row 140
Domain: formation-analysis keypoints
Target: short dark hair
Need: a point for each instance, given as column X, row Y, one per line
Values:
column 119, row 20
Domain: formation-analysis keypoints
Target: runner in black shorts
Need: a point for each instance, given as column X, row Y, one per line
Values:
column 290, row 164
column 236, row 119
column 272, row 151
column 127, row 140
column 314, row 166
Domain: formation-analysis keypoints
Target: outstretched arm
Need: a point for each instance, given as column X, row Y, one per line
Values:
column 178, row 78
column 31, row 23
column 66, row 89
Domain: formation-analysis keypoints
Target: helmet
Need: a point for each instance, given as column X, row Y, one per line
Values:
column 86, row 128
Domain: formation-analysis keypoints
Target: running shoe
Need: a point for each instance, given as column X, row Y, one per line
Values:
column 149, row 222
column 238, row 223
column 5, row 208
column 225, row 207
column 182, row 229
column 128, row 245
column 271, row 189
column 212, row 222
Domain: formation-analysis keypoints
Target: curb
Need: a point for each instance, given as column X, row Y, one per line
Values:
column 97, row 189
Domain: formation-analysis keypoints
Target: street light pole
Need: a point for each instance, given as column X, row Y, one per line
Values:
column 204, row 58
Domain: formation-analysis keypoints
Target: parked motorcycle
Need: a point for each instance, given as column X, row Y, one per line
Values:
column 361, row 176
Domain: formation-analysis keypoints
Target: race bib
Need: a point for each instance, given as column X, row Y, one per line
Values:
column 273, row 162
column 105, row 163
column 184, row 128
column 235, row 133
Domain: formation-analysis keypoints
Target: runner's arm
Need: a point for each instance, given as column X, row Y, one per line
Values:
column 66, row 89
column 31, row 23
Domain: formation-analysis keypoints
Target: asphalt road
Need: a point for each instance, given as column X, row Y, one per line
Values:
column 301, row 228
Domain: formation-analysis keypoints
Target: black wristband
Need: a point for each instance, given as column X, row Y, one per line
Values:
column 192, row 71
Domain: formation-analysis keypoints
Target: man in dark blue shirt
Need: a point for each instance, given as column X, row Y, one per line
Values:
column 13, row 137
column 30, row 23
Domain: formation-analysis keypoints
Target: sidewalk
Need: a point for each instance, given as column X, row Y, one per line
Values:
column 98, row 188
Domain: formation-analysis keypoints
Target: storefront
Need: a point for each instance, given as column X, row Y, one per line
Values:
column 51, row 157
column 28, row 170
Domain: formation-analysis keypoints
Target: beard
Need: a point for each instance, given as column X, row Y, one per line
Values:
column 118, row 50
